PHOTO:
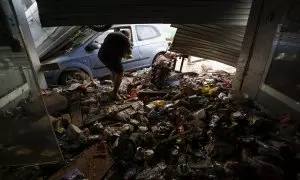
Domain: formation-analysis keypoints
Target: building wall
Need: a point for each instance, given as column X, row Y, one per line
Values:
column 16, row 72
column 257, row 53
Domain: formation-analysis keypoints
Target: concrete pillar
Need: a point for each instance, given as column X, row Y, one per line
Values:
column 248, row 44
column 18, row 11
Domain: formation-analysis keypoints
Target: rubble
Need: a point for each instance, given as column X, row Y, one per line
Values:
column 74, row 174
column 54, row 103
column 161, row 70
column 76, row 116
column 197, row 129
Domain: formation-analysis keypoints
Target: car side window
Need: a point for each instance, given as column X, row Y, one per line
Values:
column 145, row 32
column 102, row 36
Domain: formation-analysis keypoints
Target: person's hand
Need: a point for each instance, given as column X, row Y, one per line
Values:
column 129, row 56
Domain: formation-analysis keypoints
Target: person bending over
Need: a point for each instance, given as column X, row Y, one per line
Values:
column 115, row 47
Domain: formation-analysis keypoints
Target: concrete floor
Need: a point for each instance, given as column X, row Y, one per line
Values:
column 201, row 65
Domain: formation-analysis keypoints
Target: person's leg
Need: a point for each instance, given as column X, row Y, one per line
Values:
column 117, row 71
column 117, row 83
column 110, row 65
column 113, row 76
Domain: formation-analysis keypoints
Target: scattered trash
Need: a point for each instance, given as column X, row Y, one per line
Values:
column 200, row 114
column 75, row 174
column 161, row 69
column 152, row 173
column 177, row 126
column 74, row 86
column 58, row 89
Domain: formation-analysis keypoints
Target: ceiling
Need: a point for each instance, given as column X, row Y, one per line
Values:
column 79, row 12
column 212, row 29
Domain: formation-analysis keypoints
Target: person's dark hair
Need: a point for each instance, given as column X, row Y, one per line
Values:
column 126, row 33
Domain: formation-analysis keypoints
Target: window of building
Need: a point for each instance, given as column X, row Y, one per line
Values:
column 284, row 73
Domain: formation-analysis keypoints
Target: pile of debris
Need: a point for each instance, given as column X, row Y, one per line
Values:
column 189, row 126
column 197, row 129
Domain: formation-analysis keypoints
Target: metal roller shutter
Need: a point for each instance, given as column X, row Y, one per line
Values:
column 215, row 42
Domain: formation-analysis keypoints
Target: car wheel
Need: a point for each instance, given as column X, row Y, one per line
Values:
column 77, row 76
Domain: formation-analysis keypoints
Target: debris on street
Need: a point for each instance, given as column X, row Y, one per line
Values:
column 174, row 126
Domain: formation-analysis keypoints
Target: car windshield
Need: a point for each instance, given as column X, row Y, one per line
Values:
column 81, row 36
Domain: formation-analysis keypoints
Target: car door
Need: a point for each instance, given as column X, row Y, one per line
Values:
column 98, row 68
column 150, row 42
column 130, row 64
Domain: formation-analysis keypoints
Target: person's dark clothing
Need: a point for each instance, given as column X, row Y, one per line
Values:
column 113, row 64
column 114, row 47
